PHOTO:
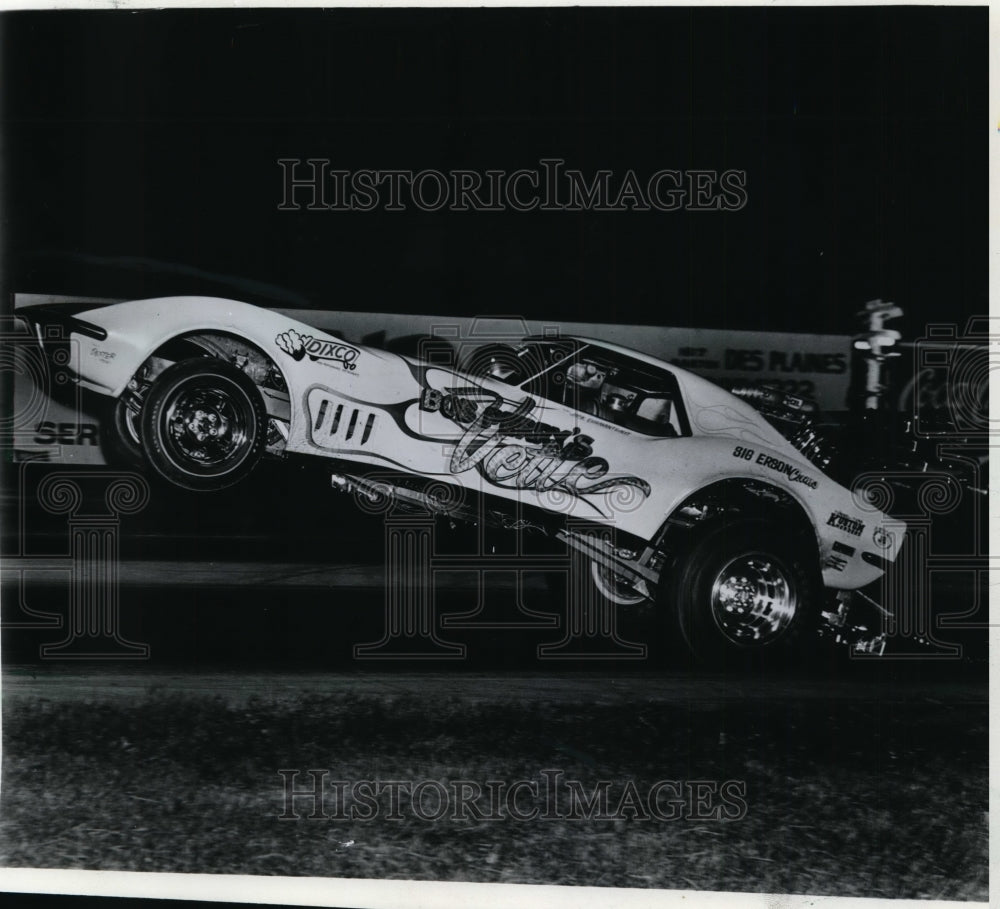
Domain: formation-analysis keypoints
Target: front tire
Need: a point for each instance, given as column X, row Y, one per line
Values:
column 742, row 591
column 203, row 424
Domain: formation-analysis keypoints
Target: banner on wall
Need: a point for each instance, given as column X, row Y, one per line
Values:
column 54, row 423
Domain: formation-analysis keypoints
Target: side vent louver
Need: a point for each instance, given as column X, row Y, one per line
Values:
column 334, row 424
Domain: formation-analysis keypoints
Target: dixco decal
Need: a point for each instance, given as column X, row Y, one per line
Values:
column 298, row 346
column 511, row 449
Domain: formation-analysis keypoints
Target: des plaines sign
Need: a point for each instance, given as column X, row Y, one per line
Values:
column 816, row 367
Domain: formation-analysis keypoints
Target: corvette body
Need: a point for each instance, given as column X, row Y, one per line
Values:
column 574, row 430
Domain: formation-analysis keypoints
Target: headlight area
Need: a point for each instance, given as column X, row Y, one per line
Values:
column 62, row 338
column 54, row 321
column 87, row 329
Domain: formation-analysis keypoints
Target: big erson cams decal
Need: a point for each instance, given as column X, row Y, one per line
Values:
column 511, row 449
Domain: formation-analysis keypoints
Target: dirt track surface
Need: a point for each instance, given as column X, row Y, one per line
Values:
column 873, row 783
column 72, row 683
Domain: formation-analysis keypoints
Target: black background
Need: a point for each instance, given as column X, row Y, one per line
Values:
column 140, row 158
column 141, row 148
column 139, row 155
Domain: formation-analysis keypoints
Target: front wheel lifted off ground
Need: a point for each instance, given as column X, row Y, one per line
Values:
column 203, row 424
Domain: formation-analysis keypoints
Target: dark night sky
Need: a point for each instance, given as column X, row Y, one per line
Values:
column 154, row 136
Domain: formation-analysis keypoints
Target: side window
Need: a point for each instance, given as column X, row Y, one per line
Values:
column 656, row 411
column 630, row 394
column 604, row 384
column 552, row 362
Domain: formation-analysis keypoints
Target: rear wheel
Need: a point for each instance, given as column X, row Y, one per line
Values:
column 741, row 591
column 203, row 424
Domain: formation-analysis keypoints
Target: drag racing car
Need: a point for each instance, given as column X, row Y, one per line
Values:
column 716, row 507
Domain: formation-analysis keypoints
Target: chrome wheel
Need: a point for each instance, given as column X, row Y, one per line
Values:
column 209, row 425
column 203, row 424
column 753, row 600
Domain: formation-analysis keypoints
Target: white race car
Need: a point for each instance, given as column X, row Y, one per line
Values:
column 676, row 490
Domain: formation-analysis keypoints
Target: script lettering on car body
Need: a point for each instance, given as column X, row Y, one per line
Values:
column 512, row 449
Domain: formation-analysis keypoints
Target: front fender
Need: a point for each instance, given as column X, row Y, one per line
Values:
column 135, row 329
column 855, row 541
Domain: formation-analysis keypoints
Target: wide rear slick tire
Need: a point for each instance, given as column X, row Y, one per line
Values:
column 203, row 424
column 743, row 593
